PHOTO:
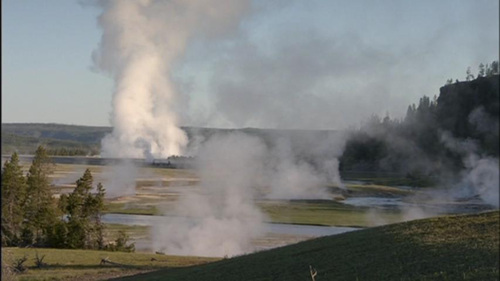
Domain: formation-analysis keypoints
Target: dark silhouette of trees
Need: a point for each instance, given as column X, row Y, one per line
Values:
column 492, row 69
column 414, row 146
column 469, row 75
column 362, row 152
column 482, row 71
column 470, row 111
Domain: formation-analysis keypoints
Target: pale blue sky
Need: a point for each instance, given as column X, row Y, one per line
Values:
column 376, row 56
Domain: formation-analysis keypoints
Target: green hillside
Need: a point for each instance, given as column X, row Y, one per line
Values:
column 65, row 140
column 59, row 139
column 76, row 133
column 464, row 247
column 24, row 144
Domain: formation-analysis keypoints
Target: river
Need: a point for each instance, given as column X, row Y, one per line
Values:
column 277, row 234
column 274, row 228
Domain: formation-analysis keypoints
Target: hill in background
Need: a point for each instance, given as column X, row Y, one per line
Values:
column 465, row 111
column 59, row 139
column 63, row 139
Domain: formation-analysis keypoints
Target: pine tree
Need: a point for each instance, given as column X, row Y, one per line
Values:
column 469, row 76
column 84, row 209
column 482, row 70
column 411, row 113
column 78, row 224
column 40, row 208
column 96, row 205
column 13, row 196
column 494, row 68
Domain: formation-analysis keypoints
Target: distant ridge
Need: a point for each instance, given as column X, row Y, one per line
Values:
column 25, row 137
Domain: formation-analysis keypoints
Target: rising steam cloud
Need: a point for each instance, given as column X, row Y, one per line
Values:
column 222, row 216
column 236, row 170
column 141, row 41
column 481, row 174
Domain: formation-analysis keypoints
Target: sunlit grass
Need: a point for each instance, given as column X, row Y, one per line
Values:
column 65, row 264
column 324, row 213
column 377, row 190
column 133, row 231
column 131, row 209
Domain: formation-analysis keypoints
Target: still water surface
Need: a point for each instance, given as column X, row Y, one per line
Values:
column 274, row 228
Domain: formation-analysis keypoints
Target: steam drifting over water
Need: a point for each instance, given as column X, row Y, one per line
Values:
column 481, row 174
column 225, row 216
column 235, row 170
column 142, row 41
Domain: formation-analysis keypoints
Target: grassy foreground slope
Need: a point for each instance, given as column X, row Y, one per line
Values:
column 66, row 264
column 464, row 247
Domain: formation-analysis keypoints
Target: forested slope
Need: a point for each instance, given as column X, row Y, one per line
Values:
column 435, row 135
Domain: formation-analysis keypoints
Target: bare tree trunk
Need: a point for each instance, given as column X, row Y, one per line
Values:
column 313, row 273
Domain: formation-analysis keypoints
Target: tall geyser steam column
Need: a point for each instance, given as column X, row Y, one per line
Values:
column 140, row 41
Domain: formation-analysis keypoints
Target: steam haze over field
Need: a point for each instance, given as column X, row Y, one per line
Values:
column 320, row 65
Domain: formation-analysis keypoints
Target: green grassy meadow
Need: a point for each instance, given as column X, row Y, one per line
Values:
column 328, row 213
column 463, row 247
column 445, row 248
column 460, row 247
column 325, row 212
column 62, row 264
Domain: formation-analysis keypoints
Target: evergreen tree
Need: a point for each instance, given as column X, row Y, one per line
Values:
column 482, row 70
column 469, row 76
column 84, row 209
column 96, row 204
column 40, row 208
column 494, row 68
column 411, row 113
column 78, row 223
column 13, row 194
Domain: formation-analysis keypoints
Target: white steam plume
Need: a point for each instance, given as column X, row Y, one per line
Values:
column 120, row 179
column 481, row 178
column 291, row 178
column 141, row 41
column 481, row 174
column 222, row 218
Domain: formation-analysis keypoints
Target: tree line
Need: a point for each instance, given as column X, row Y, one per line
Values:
column 415, row 145
column 65, row 151
column 33, row 217
column 484, row 70
column 27, row 144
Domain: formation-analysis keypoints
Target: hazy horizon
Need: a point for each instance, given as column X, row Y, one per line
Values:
column 321, row 65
